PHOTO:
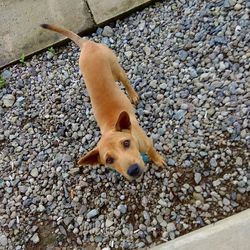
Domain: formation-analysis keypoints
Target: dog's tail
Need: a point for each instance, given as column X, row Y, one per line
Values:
column 71, row 35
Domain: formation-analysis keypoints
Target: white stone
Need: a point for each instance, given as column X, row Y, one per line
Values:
column 8, row 100
column 35, row 239
column 171, row 227
column 197, row 178
column 3, row 240
column 34, row 172
column 109, row 223
column 79, row 220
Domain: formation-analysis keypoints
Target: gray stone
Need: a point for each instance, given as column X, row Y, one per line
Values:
column 184, row 106
column 159, row 219
column 153, row 84
column 180, row 114
column 67, row 158
column 146, row 215
column 144, row 201
column 171, row 162
column 226, row 202
column 105, row 40
column 20, row 100
column 193, row 73
column 122, row 208
column 22, row 189
column 192, row 145
column 163, row 85
column 6, row 74
column 213, row 162
column 179, row 34
column 197, row 124
column 1, row 183
column 198, row 196
column 62, row 230
column 9, row 190
column 92, row 213
column 187, row 163
column 140, row 245
column 11, row 223
column 183, row 55
column 147, row 50
column 41, row 208
column 67, row 220
column 203, row 153
column 163, row 203
column 229, row 3
column 108, row 31
column 49, row 55
column 162, row 131
column 221, row 40
column 198, row 189
column 205, row 76
column 238, row 161
column 216, row 183
column 142, row 25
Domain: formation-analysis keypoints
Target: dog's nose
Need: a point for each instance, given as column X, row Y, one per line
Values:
column 134, row 170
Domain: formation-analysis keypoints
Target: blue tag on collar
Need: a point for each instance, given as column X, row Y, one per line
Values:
column 145, row 157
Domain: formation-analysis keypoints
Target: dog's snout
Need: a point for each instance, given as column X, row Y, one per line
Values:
column 134, row 170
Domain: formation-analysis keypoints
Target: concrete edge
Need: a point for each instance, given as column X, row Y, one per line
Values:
column 229, row 233
column 84, row 32
column 62, row 41
column 124, row 13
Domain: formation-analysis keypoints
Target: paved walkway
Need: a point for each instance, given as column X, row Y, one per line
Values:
column 232, row 233
column 20, row 31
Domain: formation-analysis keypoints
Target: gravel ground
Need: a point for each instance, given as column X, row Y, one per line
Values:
column 189, row 62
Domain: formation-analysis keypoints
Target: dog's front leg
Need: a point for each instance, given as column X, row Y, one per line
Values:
column 146, row 146
column 156, row 157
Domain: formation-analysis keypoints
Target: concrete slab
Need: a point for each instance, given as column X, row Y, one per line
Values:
column 105, row 10
column 19, row 22
column 232, row 233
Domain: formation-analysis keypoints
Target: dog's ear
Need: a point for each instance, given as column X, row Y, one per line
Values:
column 91, row 158
column 123, row 121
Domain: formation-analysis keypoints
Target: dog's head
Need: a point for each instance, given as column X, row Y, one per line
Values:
column 118, row 149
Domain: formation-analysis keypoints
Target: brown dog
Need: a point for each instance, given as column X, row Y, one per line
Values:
column 122, row 138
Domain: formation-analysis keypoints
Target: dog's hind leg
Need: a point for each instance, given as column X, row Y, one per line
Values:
column 120, row 75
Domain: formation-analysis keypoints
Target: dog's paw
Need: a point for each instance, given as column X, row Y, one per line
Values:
column 160, row 161
column 134, row 98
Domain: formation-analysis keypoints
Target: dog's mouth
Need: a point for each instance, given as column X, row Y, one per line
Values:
column 137, row 176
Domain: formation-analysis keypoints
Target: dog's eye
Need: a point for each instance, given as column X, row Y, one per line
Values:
column 110, row 160
column 126, row 143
